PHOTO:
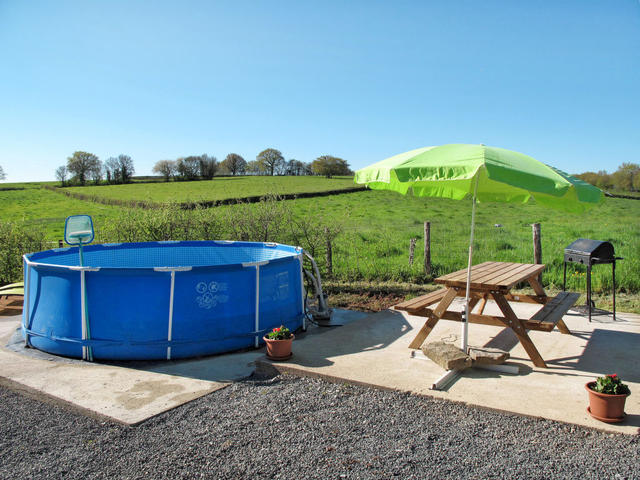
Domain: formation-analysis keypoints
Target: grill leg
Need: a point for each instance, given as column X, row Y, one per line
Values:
column 564, row 278
column 613, row 268
column 589, row 290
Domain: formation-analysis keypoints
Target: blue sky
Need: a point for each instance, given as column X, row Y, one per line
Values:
column 558, row 80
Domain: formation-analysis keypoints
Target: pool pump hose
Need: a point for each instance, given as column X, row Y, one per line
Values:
column 323, row 312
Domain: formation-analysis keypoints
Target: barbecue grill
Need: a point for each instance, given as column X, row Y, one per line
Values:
column 591, row 252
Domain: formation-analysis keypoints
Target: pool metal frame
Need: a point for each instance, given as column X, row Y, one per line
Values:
column 27, row 321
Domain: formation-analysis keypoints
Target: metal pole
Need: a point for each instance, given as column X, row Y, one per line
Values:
column 87, row 351
column 83, row 315
column 613, row 270
column 537, row 247
column 589, row 289
column 257, row 319
column 26, row 301
column 465, row 324
column 170, row 330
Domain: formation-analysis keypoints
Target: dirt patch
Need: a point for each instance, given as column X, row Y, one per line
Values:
column 374, row 297
column 365, row 302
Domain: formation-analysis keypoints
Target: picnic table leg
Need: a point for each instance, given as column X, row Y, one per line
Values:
column 563, row 327
column 512, row 321
column 483, row 303
column 424, row 332
column 433, row 318
column 535, row 284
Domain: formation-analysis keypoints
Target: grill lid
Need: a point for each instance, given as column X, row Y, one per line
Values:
column 584, row 247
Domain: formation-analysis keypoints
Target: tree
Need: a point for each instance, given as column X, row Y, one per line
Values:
column 126, row 169
column 111, row 169
column 294, row 167
column 187, row 168
column 61, row 174
column 95, row 172
column 234, row 164
column 80, row 164
column 603, row 180
column 627, row 177
column 2, row 174
column 166, row 168
column 254, row 168
column 270, row 160
column 328, row 166
column 208, row 166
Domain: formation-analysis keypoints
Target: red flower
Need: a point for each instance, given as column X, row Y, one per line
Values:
column 613, row 375
column 276, row 329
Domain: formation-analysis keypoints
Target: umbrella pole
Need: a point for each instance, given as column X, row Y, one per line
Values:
column 465, row 324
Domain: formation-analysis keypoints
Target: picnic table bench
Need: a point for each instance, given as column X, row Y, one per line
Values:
column 11, row 297
column 493, row 280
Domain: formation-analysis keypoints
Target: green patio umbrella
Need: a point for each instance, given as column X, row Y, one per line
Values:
column 483, row 174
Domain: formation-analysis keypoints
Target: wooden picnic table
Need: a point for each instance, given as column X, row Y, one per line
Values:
column 494, row 280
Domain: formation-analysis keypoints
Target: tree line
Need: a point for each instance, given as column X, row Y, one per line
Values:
column 268, row 162
column 625, row 178
column 82, row 167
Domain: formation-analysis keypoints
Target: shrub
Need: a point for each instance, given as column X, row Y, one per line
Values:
column 270, row 220
column 16, row 239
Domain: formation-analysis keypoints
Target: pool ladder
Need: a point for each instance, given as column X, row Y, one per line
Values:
column 322, row 314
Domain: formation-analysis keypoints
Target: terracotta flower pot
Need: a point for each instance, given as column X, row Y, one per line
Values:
column 279, row 349
column 605, row 407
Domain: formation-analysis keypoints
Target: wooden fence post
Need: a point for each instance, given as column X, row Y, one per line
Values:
column 427, row 248
column 412, row 249
column 537, row 246
column 60, row 243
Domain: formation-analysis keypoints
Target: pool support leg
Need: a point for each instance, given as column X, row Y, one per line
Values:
column 169, row 334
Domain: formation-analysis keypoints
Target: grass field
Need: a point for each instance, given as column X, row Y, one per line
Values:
column 377, row 227
column 46, row 209
column 217, row 189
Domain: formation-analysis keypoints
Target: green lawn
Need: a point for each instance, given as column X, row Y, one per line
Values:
column 216, row 189
column 377, row 227
column 43, row 208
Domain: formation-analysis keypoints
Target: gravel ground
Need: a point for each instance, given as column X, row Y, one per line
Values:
column 287, row 427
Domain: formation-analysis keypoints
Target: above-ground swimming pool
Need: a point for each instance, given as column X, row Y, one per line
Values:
column 160, row 300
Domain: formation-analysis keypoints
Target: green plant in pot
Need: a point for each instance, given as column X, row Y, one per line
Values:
column 607, row 396
column 279, row 342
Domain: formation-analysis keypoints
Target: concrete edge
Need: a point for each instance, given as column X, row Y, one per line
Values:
column 48, row 399
column 267, row 367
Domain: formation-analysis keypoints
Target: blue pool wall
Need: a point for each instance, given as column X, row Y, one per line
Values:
column 226, row 296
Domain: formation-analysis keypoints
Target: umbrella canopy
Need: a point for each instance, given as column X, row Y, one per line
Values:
column 451, row 171
column 485, row 174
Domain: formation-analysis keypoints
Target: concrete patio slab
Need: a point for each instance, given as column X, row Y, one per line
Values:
column 374, row 351
column 128, row 393
column 369, row 349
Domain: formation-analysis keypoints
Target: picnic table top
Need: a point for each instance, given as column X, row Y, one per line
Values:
column 492, row 275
